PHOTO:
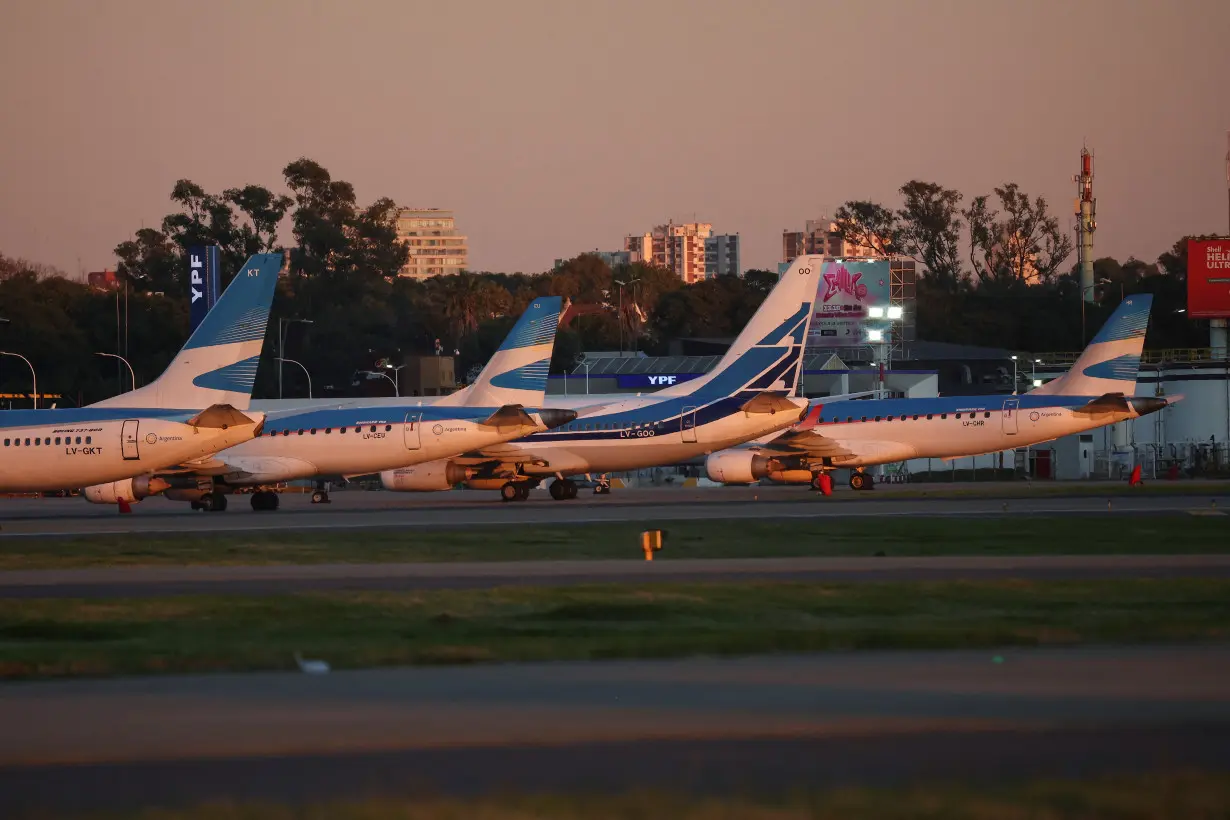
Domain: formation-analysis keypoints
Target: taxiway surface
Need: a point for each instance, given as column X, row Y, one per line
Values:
column 358, row 510
column 138, row 582
column 775, row 722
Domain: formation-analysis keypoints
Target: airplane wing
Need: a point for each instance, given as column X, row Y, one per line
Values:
column 805, row 443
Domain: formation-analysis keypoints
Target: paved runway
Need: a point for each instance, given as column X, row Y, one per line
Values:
column 716, row 725
column 357, row 510
column 130, row 582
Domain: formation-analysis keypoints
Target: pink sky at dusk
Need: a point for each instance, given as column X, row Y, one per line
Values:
column 553, row 128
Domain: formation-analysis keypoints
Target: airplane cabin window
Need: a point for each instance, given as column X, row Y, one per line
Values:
column 313, row 431
column 849, row 418
column 89, row 439
column 943, row 415
column 987, row 415
column 373, row 429
column 929, row 416
column 877, row 418
column 301, row 432
column 57, row 441
column 78, row 439
column 915, row 417
column 388, row 427
column 328, row 430
column 6, row 442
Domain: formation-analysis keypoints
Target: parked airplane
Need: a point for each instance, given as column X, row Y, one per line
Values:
column 1097, row 391
column 749, row 394
column 107, row 446
column 357, row 439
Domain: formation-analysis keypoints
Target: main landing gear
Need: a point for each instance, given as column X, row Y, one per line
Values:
column 265, row 501
column 516, row 491
column 211, row 502
column 562, row 489
column 603, row 487
column 861, row 481
column 321, row 495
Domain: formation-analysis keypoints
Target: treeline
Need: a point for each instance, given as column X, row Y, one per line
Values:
column 1005, row 290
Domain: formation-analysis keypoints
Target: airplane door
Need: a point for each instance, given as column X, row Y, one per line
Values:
column 128, row 440
column 1010, row 408
column 687, row 424
column 413, row 423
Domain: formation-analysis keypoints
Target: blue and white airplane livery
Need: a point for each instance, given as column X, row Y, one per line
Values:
column 751, row 393
column 1097, row 391
column 195, row 408
column 354, row 439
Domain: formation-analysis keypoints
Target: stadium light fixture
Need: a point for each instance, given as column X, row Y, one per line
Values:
column 875, row 312
column 875, row 335
column 894, row 312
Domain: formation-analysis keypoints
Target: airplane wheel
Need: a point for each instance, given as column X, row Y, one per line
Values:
column 523, row 492
column 265, row 501
column 509, row 492
column 559, row 490
column 320, row 497
column 858, row 481
column 213, row 502
column 571, row 486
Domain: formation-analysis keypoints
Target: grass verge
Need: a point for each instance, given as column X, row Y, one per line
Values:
column 1007, row 535
column 66, row 638
column 1160, row 796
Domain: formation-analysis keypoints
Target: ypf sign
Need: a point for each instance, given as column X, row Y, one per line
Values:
column 1208, row 278
column 204, row 278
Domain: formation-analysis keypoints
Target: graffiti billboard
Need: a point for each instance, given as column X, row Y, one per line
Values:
column 847, row 288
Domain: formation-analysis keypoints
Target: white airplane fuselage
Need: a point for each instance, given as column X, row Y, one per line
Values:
column 68, row 449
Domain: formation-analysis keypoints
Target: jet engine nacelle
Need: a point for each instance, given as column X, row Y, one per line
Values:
column 434, row 476
column 131, row 490
column 736, row 467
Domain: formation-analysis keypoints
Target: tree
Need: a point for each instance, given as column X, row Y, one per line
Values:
column 869, row 225
column 1023, row 242
column 152, row 262
column 930, row 230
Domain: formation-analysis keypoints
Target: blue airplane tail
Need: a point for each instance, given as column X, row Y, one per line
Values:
column 767, row 355
column 218, row 364
column 517, row 373
column 1111, row 362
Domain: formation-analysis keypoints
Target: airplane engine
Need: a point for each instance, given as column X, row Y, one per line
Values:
column 791, row 476
column 435, row 476
column 131, row 490
column 736, row 467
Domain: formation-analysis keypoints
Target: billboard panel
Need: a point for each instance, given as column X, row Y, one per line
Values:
column 847, row 288
column 204, row 281
column 1208, row 278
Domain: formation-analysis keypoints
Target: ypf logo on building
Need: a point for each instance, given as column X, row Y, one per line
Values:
column 195, row 264
column 662, row 381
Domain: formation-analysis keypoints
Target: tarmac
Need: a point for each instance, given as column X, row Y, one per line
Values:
column 358, row 510
column 701, row 725
column 139, row 582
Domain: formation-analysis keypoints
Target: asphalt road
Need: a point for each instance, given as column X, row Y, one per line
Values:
column 706, row 725
column 356, row 510
column 132, row 582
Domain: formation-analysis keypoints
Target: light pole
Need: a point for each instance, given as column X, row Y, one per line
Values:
column 282, row 323
column 396, row 392
column 1033, row 374
column 33, row 375
column 305, row 372
column 621, row 284
column 880, row 335
column 125, row 361
column 1014, row 375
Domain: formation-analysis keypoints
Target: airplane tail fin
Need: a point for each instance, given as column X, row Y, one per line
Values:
column 1112, row 360
column 768, row 354
column 517, row 373
column 218, row 364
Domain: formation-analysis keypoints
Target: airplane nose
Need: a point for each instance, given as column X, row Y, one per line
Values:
column 1144, row 405
column 554, row 417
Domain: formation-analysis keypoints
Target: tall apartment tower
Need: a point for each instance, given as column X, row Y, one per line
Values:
column 436, row 246
column 690, row 250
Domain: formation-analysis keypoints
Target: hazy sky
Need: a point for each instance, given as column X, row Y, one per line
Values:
column 557, row 127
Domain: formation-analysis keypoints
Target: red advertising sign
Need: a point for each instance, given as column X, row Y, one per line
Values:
column 1208, row 278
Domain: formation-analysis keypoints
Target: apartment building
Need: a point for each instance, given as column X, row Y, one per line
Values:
column 819, row 236
column 436, row 246
column 689, row 249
